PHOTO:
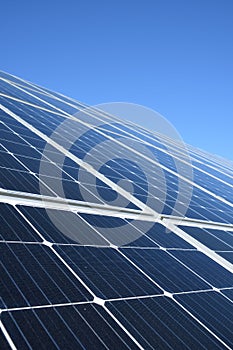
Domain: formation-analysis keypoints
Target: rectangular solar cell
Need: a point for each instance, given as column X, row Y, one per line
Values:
column 3, row 341
column 167, row 272
column 165, row 238
column 32, row 274
column 213, row 310
column 13, row 227
column 107, row 272
column 54, row 231
column 212, row 272
column 214, row 239
column 160, row 323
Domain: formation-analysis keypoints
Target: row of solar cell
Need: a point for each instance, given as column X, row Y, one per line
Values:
column 212, row 162
column 45, row 128
column 208, row 215
column 215, row 172
column 19, row 148
column 150, row 321
column 207, row 207
column 45, row 93
column 13, row 227
column 43, row 121
column 23, row 148
column 33, row 275
column 106, row 272
column 18, row 92
column 90, row 228
column 214, row 185
column 212, row 238
column 20, row 181
column 166, row 212
column 84, row 326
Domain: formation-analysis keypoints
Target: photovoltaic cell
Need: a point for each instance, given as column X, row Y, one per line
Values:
column 107, row 272
column 214, row 239
column 4, row 343
column 170, row 274
column 42, row 222
column 13, row 227
column 32, row 275
column 205, row 267
column 212, row 309
column 159, row 322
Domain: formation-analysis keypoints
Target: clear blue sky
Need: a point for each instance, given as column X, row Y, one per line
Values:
column 175, row 56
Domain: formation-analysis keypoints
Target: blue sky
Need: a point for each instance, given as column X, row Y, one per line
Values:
column 173, row 56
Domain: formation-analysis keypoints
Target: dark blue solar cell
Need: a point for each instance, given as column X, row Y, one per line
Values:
column 13, row 227
column 205, row 267
column 33, row 275
column 205, row 207
column 56, row 230
column 204, row 236
column 9, row 135
column 73, row 190
column 142, row 241
column 159, row 323
column 170, row 275
column 165, row 238
column 21, row 148
column 19, row 181
column 84, row 326
column 163, row 158
column 86, row 142
column 214, row 310
column 103, row 221
column 8, row 161
column 224, row 216
column 106, row 193
column 32, row 164
column 107, row 272
column 4, row 344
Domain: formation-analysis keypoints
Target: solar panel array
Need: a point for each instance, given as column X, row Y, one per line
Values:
column 132, row 280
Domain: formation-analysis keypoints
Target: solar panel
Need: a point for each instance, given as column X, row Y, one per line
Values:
column 111, row 236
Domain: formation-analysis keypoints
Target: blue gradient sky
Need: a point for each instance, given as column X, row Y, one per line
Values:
column 173, row 56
